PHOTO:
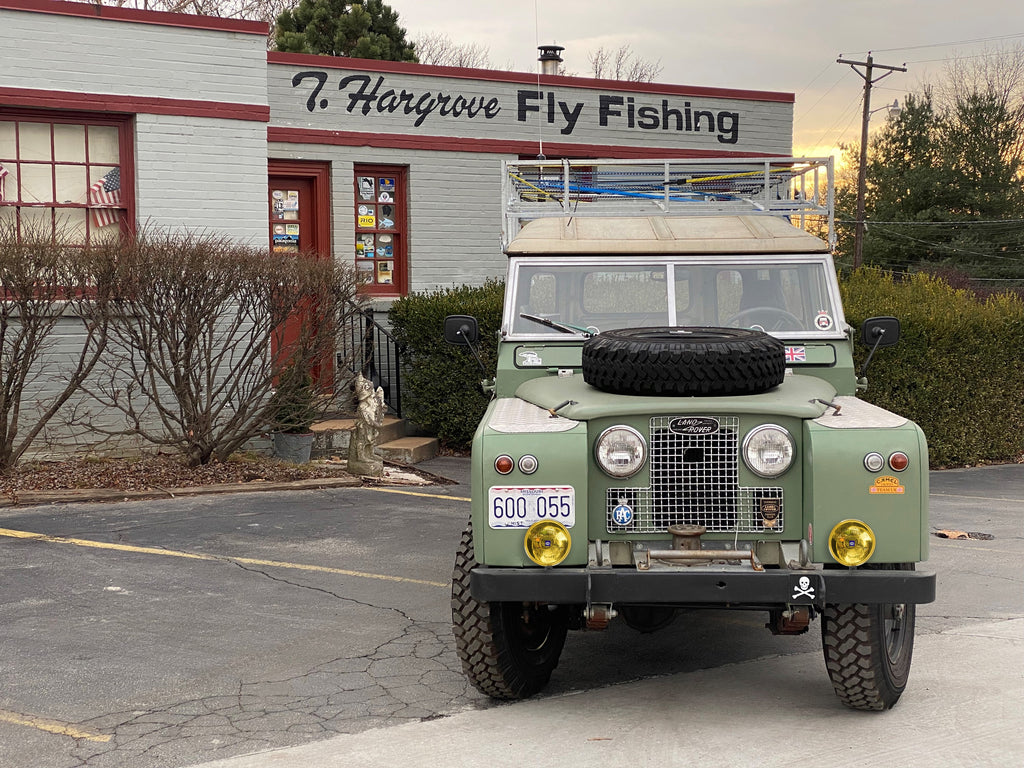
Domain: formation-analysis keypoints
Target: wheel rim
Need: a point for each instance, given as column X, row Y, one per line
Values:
column 532, row 627
column 894, row 628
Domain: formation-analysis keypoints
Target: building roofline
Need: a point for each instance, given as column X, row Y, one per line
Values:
column 526, row 78
column 159, row 18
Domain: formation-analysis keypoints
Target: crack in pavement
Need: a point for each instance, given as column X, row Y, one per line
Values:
column 413, row 675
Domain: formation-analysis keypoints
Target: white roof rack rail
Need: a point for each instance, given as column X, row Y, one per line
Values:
column 799, row 189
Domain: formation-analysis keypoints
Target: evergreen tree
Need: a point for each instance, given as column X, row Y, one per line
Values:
column 945, row 178
column 366, row 30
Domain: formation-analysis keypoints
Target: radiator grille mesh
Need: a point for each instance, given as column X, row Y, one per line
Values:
column 695, row 480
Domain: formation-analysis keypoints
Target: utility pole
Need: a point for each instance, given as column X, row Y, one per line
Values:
column 869, row 80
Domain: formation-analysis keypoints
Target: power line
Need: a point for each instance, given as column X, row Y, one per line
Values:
column 955, row 42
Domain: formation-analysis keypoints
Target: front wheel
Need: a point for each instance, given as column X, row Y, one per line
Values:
column 868, row 649
column 508, row 650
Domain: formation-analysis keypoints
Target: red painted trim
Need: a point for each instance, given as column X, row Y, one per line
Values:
column 399, row 67
column 160, row 18
column 492, row 146
column 103, row 102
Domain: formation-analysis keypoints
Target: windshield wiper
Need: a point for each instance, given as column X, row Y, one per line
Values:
column 563, row 327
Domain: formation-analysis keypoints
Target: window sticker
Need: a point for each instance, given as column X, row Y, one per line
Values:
column 290, row 201
column 367, row 216
column 823, row 321
column 364, row 246
column 387, row 184
column 384, row 272
column 384, row 197
column 366, row 188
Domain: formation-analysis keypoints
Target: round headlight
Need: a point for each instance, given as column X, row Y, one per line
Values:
column 768, row 450
column 547, row 542
column 620, row 451
column 851, row 542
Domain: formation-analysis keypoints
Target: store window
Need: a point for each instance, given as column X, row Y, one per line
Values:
column 381, row 228
column 68, row 174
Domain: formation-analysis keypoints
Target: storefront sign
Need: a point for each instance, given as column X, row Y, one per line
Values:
column 376, row 95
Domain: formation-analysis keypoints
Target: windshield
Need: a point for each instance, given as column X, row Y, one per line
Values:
column 784, row 298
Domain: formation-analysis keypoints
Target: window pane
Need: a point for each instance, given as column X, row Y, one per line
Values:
column 107, row 234
column 71, row 224
column 71, row 183
column 8, row 217
column 69, row 143
column 35, row 141
column 36, row 222
column 8, row 150
column 103, row 144
column 36, row 183
column 9, row 184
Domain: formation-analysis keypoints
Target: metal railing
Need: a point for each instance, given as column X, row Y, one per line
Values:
column 366, row 347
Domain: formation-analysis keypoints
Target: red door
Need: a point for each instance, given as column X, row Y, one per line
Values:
column 298, row 228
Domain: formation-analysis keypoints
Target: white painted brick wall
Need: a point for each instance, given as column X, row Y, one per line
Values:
column 202, row 175
column 90, row 55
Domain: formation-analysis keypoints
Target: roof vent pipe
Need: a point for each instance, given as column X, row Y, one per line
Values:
column 550, row 58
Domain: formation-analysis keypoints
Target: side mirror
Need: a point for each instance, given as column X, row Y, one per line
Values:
column 461, row 329
column 880, row 332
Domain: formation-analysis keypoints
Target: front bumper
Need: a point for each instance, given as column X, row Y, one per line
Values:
column 723, row 586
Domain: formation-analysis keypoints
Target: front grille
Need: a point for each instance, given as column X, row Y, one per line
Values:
column 695, row 481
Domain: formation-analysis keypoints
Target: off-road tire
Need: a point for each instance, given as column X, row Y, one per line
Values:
column 684, row 361
column 868, row 650
column 500, row 656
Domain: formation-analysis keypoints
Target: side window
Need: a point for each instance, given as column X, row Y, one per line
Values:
column 66, row 174
column 381, row 226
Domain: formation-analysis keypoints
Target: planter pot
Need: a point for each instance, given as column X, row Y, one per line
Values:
column 289, row 446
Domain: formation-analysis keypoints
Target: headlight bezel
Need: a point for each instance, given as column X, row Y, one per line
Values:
column 759, row 432
column 637, row 463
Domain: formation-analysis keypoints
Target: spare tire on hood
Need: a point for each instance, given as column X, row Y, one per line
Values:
column 684, row 361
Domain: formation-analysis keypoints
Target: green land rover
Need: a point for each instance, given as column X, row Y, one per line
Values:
column 675, row 425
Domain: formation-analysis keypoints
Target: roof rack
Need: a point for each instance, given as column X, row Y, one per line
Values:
column 799, row 189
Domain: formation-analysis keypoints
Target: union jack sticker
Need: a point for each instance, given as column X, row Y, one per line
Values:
column 796, row 354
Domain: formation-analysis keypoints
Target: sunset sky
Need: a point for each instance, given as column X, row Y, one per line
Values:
column 772, row 45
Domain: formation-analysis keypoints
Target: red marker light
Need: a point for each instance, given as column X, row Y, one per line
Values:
column 899, row 461
column 503, row 464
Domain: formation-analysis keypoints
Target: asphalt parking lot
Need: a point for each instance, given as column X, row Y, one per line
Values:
column 183, row 631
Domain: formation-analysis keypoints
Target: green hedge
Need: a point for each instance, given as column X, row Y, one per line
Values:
column 957, row 368
column 443, row 381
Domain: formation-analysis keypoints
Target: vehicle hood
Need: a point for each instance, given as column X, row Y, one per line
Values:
column 798, row 397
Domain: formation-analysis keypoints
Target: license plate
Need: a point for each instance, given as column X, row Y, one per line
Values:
column 520, row 506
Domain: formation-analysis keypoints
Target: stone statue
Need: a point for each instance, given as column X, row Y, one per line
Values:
column 362, row 459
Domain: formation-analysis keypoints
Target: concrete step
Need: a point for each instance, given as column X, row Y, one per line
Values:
column 331, row 438
column 409, row 450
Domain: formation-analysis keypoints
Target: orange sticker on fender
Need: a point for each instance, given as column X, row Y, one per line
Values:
column 887, row 484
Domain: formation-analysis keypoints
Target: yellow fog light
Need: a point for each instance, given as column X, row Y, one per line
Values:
column 851, row 542
column 547, row 542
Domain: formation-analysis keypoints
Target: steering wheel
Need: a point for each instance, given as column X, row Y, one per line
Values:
column 781, row 320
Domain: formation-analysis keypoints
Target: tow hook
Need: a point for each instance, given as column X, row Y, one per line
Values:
column 597, row 615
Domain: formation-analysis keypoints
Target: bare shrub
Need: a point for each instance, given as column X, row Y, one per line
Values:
column 201, row 333
column 54, row 298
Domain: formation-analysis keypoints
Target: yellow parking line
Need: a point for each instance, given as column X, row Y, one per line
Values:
column 220, row 558
column 413, row 493
column 51, row 726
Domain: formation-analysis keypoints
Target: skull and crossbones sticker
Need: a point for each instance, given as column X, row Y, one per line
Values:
column 803, row 588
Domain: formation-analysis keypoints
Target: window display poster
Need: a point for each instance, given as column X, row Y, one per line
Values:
column 366, row 188
column 364, row 246
column 384, row 269
column 364, row 271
